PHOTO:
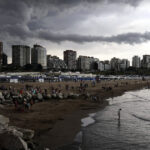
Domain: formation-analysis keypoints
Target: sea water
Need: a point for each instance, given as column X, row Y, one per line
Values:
column 103, row 130
column 131, row 132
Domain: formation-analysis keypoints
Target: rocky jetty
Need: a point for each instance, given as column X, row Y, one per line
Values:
column 14, row 138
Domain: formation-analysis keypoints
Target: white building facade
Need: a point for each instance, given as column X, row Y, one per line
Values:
column 39, row 56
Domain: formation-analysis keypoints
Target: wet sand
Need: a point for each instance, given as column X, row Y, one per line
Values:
column 57, row 122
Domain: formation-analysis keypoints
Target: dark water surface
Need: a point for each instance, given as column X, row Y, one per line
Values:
column 131, row 133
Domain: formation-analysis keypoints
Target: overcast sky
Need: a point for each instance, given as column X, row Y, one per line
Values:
column 99, row 28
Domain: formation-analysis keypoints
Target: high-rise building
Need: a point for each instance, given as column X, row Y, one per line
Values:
column 39, row 56
column 96, row 64
column 1, row 52
column 146, row 61
column 136, row 62
column 125, row 63
column 119, row 64
column 84, row 63
column 107, row 66
column 21, row 55
column 101, row 66
column 70, row 59
column 115, row 64
column 55, row 63
column 4, row 59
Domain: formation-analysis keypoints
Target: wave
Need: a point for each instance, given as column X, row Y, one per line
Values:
column 140, row 117
column 130, row 101
column 140, row 97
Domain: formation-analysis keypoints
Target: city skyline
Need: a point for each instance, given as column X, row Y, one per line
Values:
column 24, row 56
column 102, row 29
column 77, row 54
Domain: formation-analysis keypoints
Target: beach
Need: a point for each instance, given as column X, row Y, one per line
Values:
column 56, row 122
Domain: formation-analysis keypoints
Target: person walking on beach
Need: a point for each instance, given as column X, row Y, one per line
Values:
column 119, row 110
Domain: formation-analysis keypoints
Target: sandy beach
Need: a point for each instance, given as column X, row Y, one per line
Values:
column 56, row 122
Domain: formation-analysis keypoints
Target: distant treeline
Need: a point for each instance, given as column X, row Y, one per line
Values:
column 38, row 67
column 129, row 71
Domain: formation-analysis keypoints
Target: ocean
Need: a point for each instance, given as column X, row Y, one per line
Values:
column 103, row 130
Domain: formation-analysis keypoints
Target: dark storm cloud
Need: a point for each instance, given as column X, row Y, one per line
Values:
column 75, row 2
column 22, row 18
column 127, row 38
column 19, row 10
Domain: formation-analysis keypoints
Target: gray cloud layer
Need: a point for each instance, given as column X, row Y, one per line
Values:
column 22, row 19
column 127, row 38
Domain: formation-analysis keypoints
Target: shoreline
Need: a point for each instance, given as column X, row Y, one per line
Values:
column 60, row 122
column 64, row 131
column 67, row 143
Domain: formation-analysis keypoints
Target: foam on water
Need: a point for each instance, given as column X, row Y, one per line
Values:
column 88, row 120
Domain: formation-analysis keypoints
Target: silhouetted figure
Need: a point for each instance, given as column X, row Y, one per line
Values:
column 119, row 123
column 119, row 110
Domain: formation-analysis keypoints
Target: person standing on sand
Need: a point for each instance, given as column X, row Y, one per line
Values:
column 119, row 110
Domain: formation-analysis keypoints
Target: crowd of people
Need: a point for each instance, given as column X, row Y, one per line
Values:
column 24, row 98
